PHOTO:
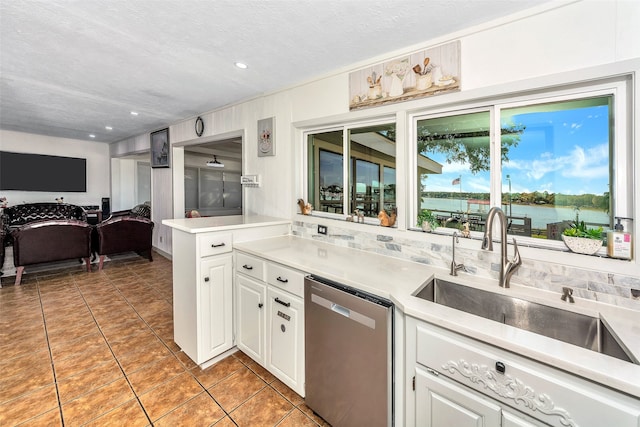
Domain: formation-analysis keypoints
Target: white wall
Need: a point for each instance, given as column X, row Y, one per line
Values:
column 97, row 155
column 123, row 182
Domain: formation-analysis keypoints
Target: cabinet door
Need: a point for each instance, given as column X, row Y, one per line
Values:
column 512, row 419
column 250, row 317
column 285, row 336
column 215, row 307
column 443, row 403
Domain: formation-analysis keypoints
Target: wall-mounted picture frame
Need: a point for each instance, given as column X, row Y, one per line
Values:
column 160, row 149
column 431, row 72
column 266, row 137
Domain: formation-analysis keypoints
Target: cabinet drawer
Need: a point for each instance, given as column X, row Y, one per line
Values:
column 286, row 278
column 250, row 265
column 545, row 393
column 214, row 244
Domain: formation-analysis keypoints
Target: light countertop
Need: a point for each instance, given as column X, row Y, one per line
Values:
column 398, row 280
column 222, row 223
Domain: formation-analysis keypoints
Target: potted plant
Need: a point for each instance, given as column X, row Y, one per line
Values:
column 582, row 240
column 427, row 220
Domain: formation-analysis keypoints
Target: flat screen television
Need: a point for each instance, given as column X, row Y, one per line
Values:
column 37, row 172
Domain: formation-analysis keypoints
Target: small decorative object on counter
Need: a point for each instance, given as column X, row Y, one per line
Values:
column 465, row 230
column 582, row 240
column 427, row 220
column 305, row 208
column 3, row 202
column 619, row 242
column 387, row 220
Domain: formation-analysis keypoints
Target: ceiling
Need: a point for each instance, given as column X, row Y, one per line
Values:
column 71, row 68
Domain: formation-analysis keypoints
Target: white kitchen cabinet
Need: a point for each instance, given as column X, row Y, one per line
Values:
column 443, row 403
column 251, row 316
column 203, row 273
column 285, row 337
column 270, row 317
column 512, row 419
column 215, row 307
column 452, row 373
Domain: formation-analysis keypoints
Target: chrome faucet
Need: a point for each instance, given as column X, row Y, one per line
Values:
column 455, row 267
column 507, row 268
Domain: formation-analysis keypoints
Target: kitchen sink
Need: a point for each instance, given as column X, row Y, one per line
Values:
column 573, row 328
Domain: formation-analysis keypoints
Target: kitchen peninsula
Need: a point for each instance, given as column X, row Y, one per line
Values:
column 203, row 279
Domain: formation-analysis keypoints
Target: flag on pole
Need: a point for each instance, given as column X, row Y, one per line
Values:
column 456, row 181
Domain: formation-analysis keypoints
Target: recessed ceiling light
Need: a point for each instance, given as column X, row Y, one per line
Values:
column 241, row 65
column 134, row 113
column 108, row 128
column 92, row 136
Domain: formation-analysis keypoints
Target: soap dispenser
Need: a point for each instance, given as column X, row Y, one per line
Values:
column 619, row 242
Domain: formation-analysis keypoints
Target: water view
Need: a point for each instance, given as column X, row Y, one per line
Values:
column 540, row 215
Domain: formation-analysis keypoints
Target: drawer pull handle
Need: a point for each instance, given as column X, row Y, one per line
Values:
column 218, row 245
column 206, row 279
column 248, row 267
column 500, row 367
column 279, row 301
column 280, row 279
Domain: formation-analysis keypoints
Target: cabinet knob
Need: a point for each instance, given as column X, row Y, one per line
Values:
column 260, row 305
column 247, row 267
column 217, row 245
column 280, row 279
column 500, row 367
column 206, row 279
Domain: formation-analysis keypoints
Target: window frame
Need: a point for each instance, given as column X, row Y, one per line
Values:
column 621, row 146
column 346, row 127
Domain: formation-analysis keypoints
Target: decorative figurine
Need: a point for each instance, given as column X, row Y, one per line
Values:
column 465, row 230
column 305, row 209
column 386, row 220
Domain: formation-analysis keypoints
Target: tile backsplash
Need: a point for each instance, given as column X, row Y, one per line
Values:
column 615, row 289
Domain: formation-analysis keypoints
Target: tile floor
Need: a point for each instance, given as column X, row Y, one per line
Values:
column 97, row 349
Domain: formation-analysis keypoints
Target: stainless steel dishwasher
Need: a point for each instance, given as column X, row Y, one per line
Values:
column 349, row 354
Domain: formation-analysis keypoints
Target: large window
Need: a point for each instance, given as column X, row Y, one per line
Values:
column 453, row 162
column 370, row 171
column 551, row 161
column 559, row 166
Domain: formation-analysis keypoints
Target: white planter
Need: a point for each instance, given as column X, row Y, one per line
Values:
column 426, row 226
column 582, row 245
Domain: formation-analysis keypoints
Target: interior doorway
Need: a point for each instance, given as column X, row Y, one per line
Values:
column 212, row 172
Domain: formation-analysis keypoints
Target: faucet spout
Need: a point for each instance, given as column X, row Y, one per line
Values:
column 455, row 266
column 507, row 267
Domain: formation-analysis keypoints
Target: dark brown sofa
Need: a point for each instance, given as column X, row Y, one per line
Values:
column 51, row 240
column 129, row 233
column 14, row 217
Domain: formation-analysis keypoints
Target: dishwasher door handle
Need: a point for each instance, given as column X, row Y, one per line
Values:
column 340, row 309
column 337, row 308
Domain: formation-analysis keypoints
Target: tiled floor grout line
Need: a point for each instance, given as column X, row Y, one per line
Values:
column 114, row 355
column 53, row 369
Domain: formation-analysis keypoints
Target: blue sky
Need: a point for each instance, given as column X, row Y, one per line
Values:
column 565, row 151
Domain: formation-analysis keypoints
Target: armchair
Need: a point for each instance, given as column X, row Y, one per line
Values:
column 50, row 240
column 124, row 234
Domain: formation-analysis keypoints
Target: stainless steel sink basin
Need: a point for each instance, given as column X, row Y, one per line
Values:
column 574, row 328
